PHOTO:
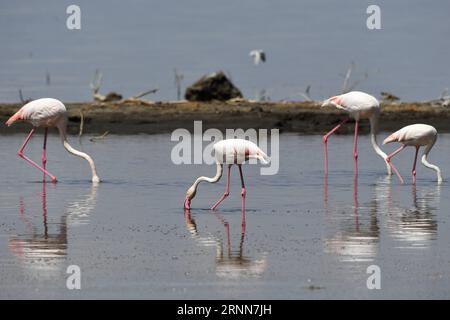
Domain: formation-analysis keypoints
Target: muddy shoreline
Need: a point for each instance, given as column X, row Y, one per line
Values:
column 163, row 117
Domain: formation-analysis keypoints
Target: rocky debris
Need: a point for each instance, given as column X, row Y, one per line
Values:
column 387, row 96
column 111, row 96
column 215, row 86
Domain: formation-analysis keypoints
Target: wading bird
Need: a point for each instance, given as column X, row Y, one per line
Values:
column 258, row 56
column 417, row 135
column 48, row 113
column 358, row 105
column 229, row 151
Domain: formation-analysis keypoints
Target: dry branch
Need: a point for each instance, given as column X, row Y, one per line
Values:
column 306, row 94
column 178, row 80
column 80, row 132
column 103, row 136
column 346, row 86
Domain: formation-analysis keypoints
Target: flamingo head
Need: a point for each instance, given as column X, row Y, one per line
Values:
column 190, row 194
column 332, row 102
column 264, row 158
column 392, row 138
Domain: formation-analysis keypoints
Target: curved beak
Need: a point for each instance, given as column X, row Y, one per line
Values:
column 187, row 204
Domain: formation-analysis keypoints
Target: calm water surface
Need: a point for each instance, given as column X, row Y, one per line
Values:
column 137, row 44
column 131, row 239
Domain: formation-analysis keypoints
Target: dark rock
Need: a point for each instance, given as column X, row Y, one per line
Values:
column 387, row 96
column 215, row 86
column 113, row 96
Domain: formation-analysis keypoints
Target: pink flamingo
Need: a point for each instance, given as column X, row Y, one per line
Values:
column 417, row 135
column 359, row 105
column 229, row 151
column 48, row 113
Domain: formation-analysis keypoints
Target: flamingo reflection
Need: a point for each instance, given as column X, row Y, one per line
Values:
column 230, row 264
column 412, row 226
column 44, row 245
column 356, row 239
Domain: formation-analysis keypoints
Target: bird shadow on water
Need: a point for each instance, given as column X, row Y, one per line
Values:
column 355, row 233
column 43, row 246
column 231, row 262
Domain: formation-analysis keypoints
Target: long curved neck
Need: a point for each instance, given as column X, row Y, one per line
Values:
column 429, row 165
column 70, row 149
column 210, row 180
column 374, row 142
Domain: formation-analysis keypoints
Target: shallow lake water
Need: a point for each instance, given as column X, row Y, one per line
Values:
column 138, row 44
column 131, row 238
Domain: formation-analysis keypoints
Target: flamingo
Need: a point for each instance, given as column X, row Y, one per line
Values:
column 358, row 105
column 229, row 151
column 417, row 135
column 48, row 112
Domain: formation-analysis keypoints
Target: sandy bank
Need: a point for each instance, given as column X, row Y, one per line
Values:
column 301, row 117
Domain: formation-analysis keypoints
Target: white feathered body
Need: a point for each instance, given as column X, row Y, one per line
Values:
column 237, row 151
column 414, row 135
column 359, row 105
column 45, row 112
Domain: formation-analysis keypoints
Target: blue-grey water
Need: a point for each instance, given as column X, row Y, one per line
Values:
column 131, row 238
column 138, row 44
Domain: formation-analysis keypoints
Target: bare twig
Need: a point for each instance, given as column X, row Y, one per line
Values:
column 142, row 94
column 347, row 78
column 96, row 81
column 114, row 96
column 306, row 94
column 178, row 80
column 357, row 82
column 103, row 136
column 137, row 99
column 80, row 133
column 95, row 86
column 444, row 95
column 47, row 78
column 443, row 100
column 21, row 96
column 346, row 86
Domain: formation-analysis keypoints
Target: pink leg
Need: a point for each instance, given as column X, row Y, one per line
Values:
column 44, row 153
column 243, row 193
column 414, row 166
column 325, row 193
column 388, row 159
column 227, row 190
column 20, row 153
column 325, row 141
column 355, row 147
column 355, row 200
